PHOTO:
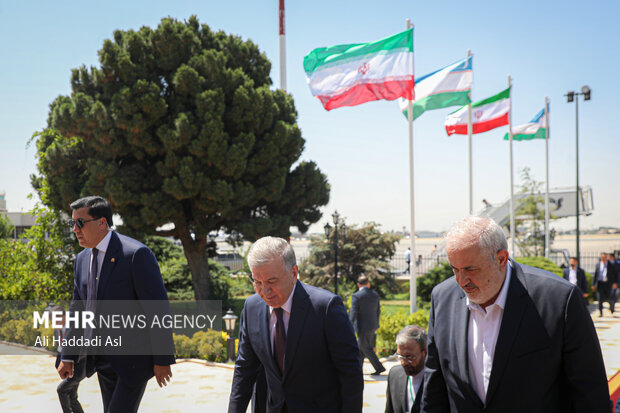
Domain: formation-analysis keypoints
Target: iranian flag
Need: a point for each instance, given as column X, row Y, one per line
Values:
column 487, row 114
column 449, row 86
column 534, row 129
column 351, row 74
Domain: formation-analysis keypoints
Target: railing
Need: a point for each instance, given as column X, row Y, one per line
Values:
column 427, row 262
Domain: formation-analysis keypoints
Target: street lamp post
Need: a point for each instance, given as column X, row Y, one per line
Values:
column 230, row 319
column 571, row 96
column 338, row 225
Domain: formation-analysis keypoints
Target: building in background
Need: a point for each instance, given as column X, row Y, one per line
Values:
column 21, row 220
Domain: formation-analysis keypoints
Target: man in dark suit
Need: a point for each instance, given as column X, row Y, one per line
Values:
column 302, row 337
column 576, row 276
column 604, row 281
column 504, row 337
column 365, row 312
column 406, row 382
column 115, row 267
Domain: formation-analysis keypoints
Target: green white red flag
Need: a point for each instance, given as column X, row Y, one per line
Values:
column 487, row 114
column 352, row 74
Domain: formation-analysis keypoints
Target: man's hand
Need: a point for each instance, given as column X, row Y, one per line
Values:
column 163, row 374
column 65, row 369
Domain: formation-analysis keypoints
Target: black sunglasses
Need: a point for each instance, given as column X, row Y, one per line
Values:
column 80, row 222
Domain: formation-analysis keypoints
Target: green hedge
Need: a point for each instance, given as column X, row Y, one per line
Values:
column 391, row 324
column 208, row 345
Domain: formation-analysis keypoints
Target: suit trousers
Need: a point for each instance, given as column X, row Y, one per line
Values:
column 367, row 341
column 603, row 294
column 68, row 395
column 118, row 396
column 68, row 389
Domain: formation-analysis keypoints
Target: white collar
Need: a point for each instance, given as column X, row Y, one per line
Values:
column 103, row 244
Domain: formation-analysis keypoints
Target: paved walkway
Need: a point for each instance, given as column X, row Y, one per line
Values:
column 28, row 382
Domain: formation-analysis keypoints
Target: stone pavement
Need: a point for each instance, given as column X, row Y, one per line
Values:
column 28, row 382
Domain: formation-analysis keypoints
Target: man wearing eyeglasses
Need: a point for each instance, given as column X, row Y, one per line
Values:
column 115, row 267
column 406, row 382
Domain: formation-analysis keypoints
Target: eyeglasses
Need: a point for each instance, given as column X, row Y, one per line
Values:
column 80, row 222
column 410, row 357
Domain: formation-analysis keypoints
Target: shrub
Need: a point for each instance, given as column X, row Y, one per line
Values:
column 427, row 282
column 209, row 345
column 542, row 263
column 184, row 346
column 391, row 324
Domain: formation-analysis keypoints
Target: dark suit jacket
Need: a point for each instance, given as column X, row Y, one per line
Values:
column 612, row 277
column 365, row 310
column 547, row 357
column 582, row 282
column 322, row 368
column 396, row 395
column 129, row 272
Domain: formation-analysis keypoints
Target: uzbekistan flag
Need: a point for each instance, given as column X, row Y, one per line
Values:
column 449, row 86
column 487, row 114
column 535, row 129
column 351, row 74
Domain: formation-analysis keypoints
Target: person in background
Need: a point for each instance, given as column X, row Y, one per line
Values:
column 68, row 388
column 406, row 381
column 576, row 276
column 364, row 315
column 604, row 281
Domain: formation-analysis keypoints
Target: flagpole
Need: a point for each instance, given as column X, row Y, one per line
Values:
column 547, row 229
column 413, row 268
column 282, row 36
column 512, row 201
column 469, row 133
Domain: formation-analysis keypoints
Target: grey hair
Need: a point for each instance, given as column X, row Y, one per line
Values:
column 267, row 249
column 480, row 231
column 412, row 332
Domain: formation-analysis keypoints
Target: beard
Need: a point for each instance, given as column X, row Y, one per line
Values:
column 412, row 370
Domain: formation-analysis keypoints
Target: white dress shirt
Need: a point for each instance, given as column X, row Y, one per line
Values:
column 572, row 276
column 482, row 336
column 413, row 385
column 286, row 316
column 603, row 271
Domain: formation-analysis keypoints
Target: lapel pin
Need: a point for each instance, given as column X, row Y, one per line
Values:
column 113, row 260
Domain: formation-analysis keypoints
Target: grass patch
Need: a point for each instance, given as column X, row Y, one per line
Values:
column 394, row 306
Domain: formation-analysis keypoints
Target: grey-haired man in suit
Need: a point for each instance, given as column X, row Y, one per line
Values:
column 505, row 337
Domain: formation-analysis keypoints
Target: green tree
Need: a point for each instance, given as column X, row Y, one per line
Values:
column 363, row 250
column 179, row 125
column 426, row 283
column 40, row 265
column 530, row 216
column 6, row 227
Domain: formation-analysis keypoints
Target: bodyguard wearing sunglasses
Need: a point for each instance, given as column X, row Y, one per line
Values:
column 406, row 382
column 115, row 267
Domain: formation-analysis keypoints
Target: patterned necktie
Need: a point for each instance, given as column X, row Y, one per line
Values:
column 91, row 293
column 279, row 341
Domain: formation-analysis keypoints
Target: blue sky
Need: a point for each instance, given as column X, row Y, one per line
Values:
column 548, row 48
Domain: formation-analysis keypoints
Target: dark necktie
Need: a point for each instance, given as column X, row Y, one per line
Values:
column 279, row 341
column 91, row 293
